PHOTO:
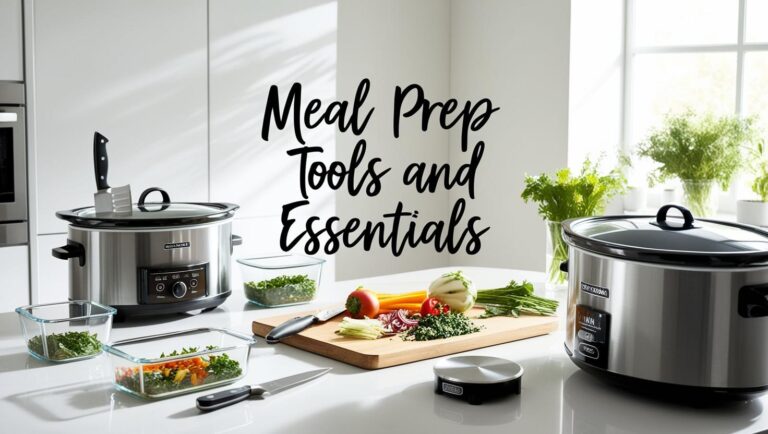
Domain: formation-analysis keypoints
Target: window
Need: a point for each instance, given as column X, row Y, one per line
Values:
column 709, row 55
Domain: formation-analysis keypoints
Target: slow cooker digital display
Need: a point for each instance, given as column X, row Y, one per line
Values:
column 591, row 340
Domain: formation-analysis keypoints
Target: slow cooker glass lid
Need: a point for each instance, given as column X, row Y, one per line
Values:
column 670, row 240
column 151, row 215
column 152, row 211
column 640, row 232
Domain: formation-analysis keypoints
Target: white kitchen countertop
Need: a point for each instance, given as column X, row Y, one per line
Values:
column 556, row 398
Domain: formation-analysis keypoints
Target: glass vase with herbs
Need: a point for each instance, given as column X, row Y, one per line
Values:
column 701, row 151
column 567, row 195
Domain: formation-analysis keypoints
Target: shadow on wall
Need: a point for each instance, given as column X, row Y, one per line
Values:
column 255, row 45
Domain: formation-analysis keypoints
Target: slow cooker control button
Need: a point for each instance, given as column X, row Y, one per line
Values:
column 160, row 287
column 590, row 351
column 179, row 289
column 193, row 283
column 586, row 336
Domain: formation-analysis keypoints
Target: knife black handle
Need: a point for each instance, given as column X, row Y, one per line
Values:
column 100, row 160
column 290, row 327
column 218, row 400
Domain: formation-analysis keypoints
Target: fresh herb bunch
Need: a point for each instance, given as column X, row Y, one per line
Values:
column 697, row 150
column 281, row 290
column 758, row 165
column 441, row 326
column 566, row 196
column 514, row 299
column 66, row 345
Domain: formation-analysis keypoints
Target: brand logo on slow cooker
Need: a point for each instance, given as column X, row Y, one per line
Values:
column 453, row 389
column 180, row 245
column 595, row 290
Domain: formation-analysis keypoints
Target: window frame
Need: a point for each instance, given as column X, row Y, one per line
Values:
column 631, row 50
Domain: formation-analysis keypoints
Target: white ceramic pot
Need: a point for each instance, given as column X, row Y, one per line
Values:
column 669, row 195
column 635, row 198
column 752, row 212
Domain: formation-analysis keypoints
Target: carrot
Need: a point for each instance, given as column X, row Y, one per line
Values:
column 384, row 295
column 387, row 301
column 413, row 307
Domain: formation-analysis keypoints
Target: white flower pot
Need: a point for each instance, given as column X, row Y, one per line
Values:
column 635, row 198
column 752, row 212
column 669, row 195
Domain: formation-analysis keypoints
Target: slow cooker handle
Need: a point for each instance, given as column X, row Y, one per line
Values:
column 165, row 204
column 145, row 193
column 73, row 249
column 661, row 218
column 236, row 241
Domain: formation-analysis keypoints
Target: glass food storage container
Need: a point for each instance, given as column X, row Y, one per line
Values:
column 283, row 280
column 66, row 331
column 170, row 364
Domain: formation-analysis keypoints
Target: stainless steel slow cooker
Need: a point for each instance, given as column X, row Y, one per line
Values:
column 674, row 305
column 158, row 258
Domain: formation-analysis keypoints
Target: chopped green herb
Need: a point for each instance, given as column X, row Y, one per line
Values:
column 63, row 346
column 441, row 326
column 281, row 290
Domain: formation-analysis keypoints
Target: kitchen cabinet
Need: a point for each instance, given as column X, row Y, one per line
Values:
column 52, row 274
column 136, row 71
column 14, row 267
column 11, row 41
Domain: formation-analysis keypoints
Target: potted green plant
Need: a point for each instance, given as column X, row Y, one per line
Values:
column 750, row 211
column 700, row 151
column 565, row 196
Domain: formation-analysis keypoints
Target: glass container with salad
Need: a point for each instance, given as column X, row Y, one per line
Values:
column 66, row 331
column 282, row 280
column 170, row 364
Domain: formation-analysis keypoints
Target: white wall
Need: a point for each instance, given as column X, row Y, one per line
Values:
column 393, row 43
column 253, row 45
column 516, row 53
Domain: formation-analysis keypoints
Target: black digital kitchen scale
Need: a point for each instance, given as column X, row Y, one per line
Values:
column 477, row 379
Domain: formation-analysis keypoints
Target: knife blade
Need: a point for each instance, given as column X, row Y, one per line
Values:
column 215, row 401
column 296, row 325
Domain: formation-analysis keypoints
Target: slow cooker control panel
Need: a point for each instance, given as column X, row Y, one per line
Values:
column 592, row 336
column 172, row 285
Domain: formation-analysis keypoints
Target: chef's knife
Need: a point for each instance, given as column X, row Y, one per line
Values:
column 107, row 199
column 296, row 325
column 218, row 400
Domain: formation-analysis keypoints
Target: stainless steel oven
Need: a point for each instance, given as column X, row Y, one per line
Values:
column 13, row 165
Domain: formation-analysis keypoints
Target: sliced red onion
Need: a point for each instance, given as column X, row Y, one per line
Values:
column 402, row 315
column 397, row 321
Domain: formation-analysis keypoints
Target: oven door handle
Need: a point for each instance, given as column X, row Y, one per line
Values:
column 8, row 117
column 73, row 249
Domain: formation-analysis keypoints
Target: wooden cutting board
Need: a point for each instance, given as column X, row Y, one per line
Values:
column 385, row 352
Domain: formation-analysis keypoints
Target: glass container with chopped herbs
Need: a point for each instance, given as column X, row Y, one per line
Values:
column 67, row 331
column 281, row 280
column 175, row 363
